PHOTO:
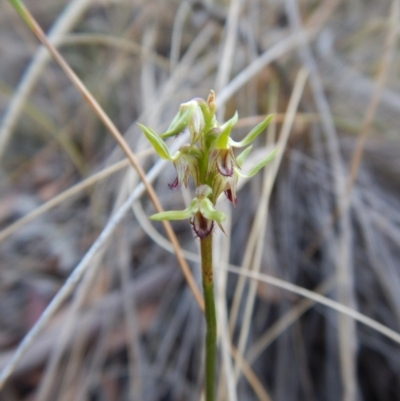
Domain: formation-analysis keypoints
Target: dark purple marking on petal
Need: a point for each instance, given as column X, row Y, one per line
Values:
column 225, row 164
column 201, row 226
column 174, row 184
column 229, row 195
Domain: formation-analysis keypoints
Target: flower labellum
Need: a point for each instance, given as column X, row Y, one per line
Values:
column 201, row 226
column 225, row 161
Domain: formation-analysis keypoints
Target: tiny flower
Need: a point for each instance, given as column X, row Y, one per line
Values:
column 181, row 120
column 201, row 226
column 226, row 163
column 190, row 116
column 222, row 157
column 211, row 102
column 196, row 124
column 186, row 165
column 185, row 160
column 208, row 110
column 201, row 213
column 228, row 185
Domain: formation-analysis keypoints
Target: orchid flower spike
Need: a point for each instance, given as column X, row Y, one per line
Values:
column 209, row 159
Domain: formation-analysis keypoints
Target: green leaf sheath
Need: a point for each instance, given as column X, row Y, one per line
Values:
column 211, row 335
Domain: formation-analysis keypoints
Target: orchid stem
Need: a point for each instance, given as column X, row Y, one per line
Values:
column 211, row 334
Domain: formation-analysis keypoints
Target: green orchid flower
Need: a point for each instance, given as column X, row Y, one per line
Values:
column 201, row 213
column 228, row 166
column 209, row 159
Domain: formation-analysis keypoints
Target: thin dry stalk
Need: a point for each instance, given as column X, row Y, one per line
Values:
column 181, row 16
column 221, row 258
column 343, row 309
column 294, row 101
column 92, row 102
column 393, row 30
column 346, row 327
column 64, row 23
column 290, row 317
column 226, row 64
column 76, row 276
column 67, row 194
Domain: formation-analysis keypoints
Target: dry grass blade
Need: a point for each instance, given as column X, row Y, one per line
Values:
column 330, row 225
column 181, row 15
column 225, row 66
column 343, row 309
column 317, row 21
column 346, row 329
column 221, row 244
column 284, row 322
column 75, row 277
column 296, row 290
column 67, row 194
column 118, row 43
column 374, row 103
column 117, row 136
column 70, row 15
column 251, row 377
column 297, row 93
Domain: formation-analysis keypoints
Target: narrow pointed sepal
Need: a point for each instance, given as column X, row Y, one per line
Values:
column 231, row 195
column 243, row 156
column 158, row 144
column 177, row 214
column 196, row 124
column 208, row 211
column 222, row 141
column 171, row 215
column 262, row 163
column 253, row 134
column 181, row 120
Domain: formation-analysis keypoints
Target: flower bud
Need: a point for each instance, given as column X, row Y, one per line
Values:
column 196, row 124
column 181, row 120
column 211, row 102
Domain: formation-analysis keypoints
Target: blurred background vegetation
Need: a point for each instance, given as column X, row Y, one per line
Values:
column 325, row 216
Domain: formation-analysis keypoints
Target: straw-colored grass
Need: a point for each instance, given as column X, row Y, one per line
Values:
column 93, row 304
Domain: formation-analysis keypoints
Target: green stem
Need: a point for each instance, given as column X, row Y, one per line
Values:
column 211, row 335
